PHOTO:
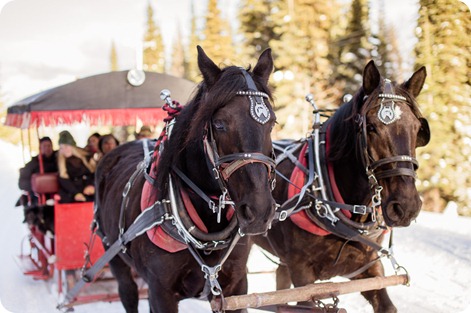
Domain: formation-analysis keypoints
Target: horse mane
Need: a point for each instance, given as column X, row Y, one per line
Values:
column 344, row 132
column 190, row 124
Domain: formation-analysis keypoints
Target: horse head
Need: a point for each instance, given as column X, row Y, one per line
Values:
column 229, row 122
column 390, row 128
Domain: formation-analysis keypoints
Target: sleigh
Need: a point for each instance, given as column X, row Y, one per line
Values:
column 60, row 251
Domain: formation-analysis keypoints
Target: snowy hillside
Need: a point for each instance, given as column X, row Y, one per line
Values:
column 436, row 251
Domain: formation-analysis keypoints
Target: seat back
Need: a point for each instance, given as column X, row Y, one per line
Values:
column 45, row 183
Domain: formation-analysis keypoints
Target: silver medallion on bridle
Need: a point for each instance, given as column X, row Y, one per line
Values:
column 258, row 109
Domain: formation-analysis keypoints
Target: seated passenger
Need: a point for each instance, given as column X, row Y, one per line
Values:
column 76, row 171
column 49, row 160
column 107, row 143
column 92, row 143
column 144, row 132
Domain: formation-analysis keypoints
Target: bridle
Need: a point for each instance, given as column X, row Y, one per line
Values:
column 374, row 168
column 224, row 166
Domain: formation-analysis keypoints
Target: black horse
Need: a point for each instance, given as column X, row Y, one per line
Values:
column 367, row 155
column 220, row 152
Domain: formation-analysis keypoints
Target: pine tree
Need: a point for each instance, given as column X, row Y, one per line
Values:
column 444, row 47
column 154, row 51
column 302, row 61
column 257, row 26
column 394, row 70
column 383, row 49
column 355, row 47
column 217, row 39
column 113, row 57
column 178, row 56
column 192, row 71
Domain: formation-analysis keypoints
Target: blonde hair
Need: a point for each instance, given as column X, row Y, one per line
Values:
column 79, row 153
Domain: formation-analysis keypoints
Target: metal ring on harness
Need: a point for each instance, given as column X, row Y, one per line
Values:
column 283, row 216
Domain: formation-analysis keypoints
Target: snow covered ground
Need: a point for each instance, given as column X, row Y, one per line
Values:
column 436, row 251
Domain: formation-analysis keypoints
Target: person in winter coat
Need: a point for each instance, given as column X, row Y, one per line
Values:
column 92, row 143
column 107, row 143
column 49, row 160
column 76, row 171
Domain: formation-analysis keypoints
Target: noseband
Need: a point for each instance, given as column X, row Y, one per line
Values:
column 386, row 114
column 224, row 166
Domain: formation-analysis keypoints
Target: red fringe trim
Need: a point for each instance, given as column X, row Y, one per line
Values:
column 111, row 117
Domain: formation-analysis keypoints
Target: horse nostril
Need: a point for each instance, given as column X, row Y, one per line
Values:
column 246, row 213
column 397, row 209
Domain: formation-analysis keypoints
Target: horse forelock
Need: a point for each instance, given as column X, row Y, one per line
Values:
column 400, row 90
column 221, row 93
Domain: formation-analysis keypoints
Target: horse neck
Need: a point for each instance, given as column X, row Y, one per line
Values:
column 194, row 165
column 349, row 171
column 351, row 181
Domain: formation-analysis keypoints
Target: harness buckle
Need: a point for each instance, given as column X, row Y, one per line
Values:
column 212, row 206
column 126, row 189
column 372, row 179
column 211, row 275
column 283, row 216
column 359, row 209
column 216, row 173
column 321, row 209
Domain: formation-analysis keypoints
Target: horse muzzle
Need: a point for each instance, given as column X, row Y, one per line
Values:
column 252, row 221
column 401, row 213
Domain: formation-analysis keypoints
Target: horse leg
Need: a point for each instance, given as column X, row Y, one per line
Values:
column 238, row 288
column 379, row 299
column 302, row 274
column 127, row 287
column 161, row 300
column 283, row 280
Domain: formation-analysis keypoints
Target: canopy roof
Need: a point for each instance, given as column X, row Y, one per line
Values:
column 104, row 99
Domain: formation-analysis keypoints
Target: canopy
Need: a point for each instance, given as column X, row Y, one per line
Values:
column 104, row 99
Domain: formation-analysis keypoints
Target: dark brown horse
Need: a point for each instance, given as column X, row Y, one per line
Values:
column 219, row 151
column 367, row 150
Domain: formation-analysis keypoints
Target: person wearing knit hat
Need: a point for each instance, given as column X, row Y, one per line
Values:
column 65, row 138
column 76, row 171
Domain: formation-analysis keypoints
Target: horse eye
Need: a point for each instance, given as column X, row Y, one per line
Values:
column 370, row 128
column 219, row 125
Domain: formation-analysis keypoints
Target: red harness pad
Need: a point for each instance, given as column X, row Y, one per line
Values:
column 298, row 178
column 157, row 235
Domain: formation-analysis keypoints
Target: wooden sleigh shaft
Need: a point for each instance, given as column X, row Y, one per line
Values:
column 307, row 293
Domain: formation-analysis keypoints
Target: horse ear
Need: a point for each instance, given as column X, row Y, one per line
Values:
column 264, row 66
column 207, row 67
column 371, row 77
column 423, row 137
column 416, row 82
